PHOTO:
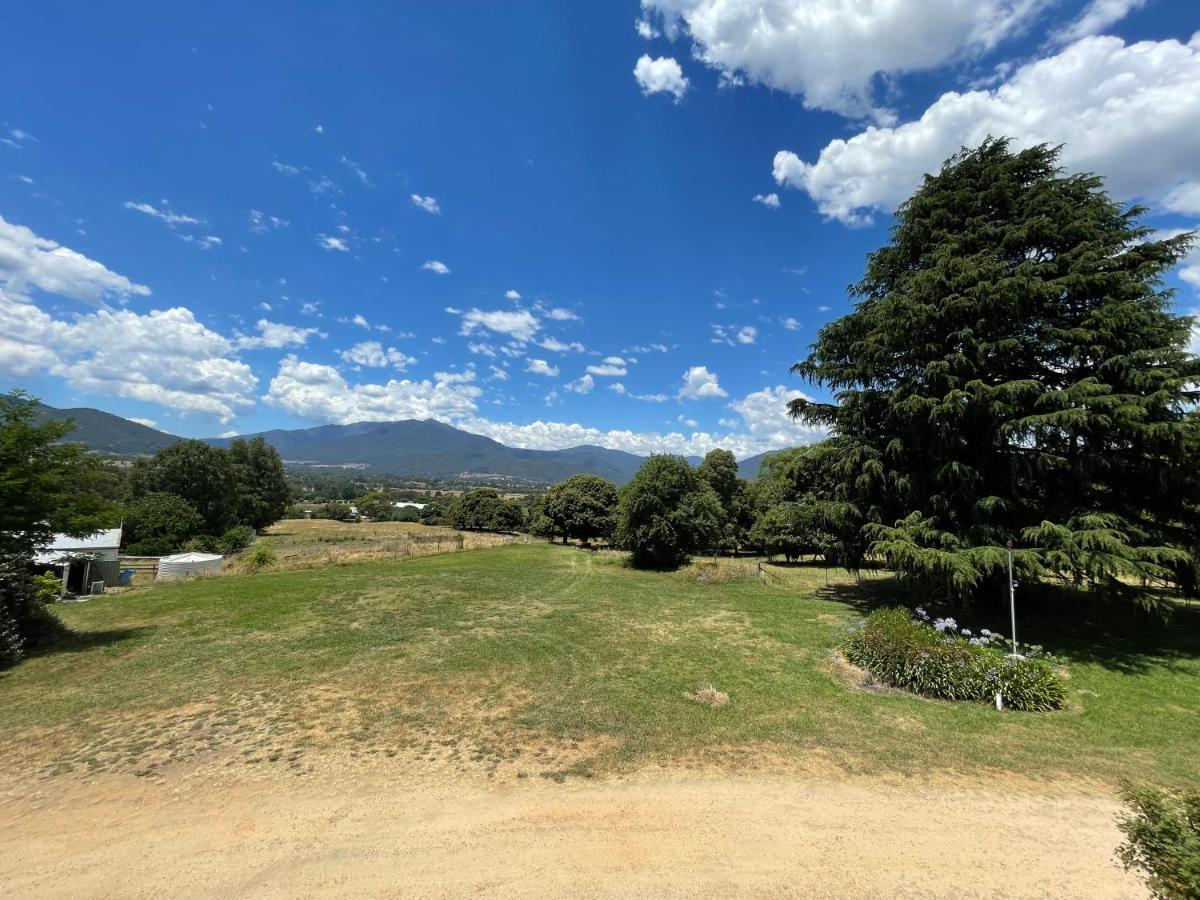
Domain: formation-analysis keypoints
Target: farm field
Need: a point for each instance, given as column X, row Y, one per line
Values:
column 559, row 683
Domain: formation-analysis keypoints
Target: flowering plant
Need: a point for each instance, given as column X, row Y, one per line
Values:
column 939, row 659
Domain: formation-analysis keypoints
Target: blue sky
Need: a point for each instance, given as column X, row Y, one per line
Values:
column 553, row 223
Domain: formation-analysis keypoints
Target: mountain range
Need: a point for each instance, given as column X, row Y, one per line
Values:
column 411, row 448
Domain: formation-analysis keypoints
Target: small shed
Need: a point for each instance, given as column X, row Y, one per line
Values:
column 82, row 562
column 185, row 565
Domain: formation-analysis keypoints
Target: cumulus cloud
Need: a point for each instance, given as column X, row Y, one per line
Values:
column 520, row 324
column 541, row 367
column 373, row 355
column 437, row 266
column 28, row 261
column 660, row 76
column 429, row 204
column 320, row 393
column 830, row 52
column 165, row 357
column 275, row 335
column 330, row 242
column 765, row 417
column 1128, row 112
column 554, row 344
column 700, row 384
column 790, row 324
column 612, row 367
column 582, row 385
column 510, row 294
column 558, row 314
column 645, row 29
column 771, row 200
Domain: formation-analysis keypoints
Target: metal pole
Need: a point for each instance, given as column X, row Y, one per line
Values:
column 1012, row 602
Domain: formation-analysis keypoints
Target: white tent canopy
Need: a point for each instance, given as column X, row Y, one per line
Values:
column 183, row 565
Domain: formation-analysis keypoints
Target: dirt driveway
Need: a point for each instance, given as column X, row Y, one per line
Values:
column 651, row 835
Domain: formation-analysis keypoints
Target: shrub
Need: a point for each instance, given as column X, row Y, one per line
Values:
column 1163, row 840
column 239, row 537
column 150, row 547
column 260, row 557
column 201, row 543
column 936, row 661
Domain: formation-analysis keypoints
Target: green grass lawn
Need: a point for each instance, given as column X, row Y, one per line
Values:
column 556, row 661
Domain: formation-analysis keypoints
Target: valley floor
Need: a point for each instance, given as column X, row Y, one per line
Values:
column 522, row 720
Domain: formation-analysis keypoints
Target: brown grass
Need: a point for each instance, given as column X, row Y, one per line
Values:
column 313, row 543
column 709, row 696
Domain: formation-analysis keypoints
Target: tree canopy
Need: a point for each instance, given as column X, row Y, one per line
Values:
column 1012, row 370
column 582, row 507
column 47, row 486
column 667, row 512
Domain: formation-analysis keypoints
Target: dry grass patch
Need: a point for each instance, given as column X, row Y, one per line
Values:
column 708, row 695
column 314, row 543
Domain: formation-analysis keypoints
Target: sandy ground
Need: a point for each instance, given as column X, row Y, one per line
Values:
column 657, row 834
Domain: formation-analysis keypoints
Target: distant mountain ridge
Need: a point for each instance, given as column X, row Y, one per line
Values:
column 409, row 448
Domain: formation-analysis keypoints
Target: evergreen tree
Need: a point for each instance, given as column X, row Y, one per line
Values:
column 1012, row 370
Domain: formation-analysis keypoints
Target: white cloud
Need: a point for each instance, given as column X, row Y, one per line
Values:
column 330, row 242
column 747, row 334
column 1126, row 112
column 163, row 214
column 357, row 170
column 320, row 393
column 28, row 261
column 541, row 367
column 613, row 367
column 700, row 384
column 165, row 357
column 559, row 314
column 790, row 324
column 285, row 169
column 261, row 223
column 149, row 423
column 764, row 414
column 1184, row 199
column 831, row 52
column 1096, row 16
column 435, row 265
column 429, row 204
column 510, row 294
column 645, row 29
column 582, row 385
column 520, row 324
column 275, row 335
column 660, row 76
column 372, row 354
column 771, row 200
column 557, row 346
column 498, row 374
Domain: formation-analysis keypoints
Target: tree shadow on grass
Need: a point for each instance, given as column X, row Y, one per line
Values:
column 71, row 641
column 1074, row 625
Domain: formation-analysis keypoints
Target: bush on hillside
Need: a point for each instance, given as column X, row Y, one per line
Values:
column 239, row 537
column 935, row 660
column 1162, row 832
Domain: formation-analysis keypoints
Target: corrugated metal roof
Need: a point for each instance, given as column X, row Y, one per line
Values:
column 107, row 539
